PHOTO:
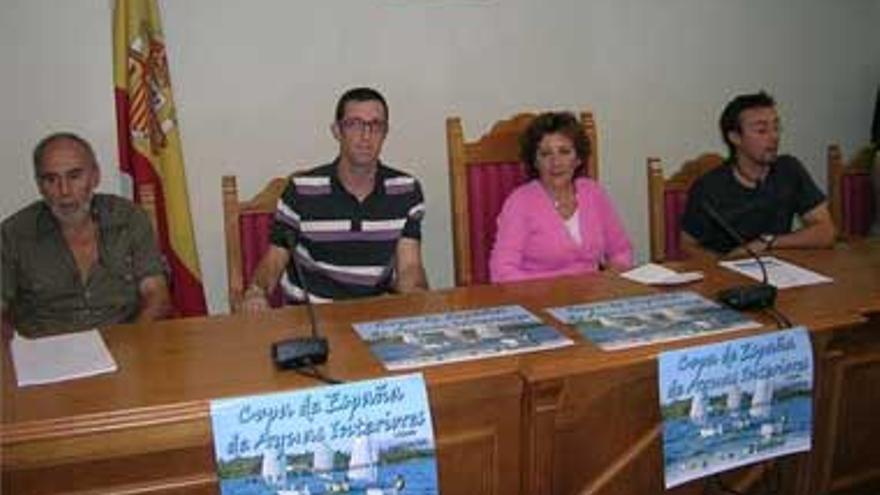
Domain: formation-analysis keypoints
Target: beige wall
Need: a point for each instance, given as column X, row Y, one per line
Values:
column 256, row 81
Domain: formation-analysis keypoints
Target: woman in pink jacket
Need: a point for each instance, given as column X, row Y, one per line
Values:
column 558, row 223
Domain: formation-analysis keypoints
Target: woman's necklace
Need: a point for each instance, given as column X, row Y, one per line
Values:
column 561, row 205
column 566, row 204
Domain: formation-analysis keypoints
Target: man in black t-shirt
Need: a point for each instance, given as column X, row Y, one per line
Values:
column 757, row 191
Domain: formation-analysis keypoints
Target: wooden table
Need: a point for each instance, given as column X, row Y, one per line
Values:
column 146, row 427
column 549, row 422
column 593, row 425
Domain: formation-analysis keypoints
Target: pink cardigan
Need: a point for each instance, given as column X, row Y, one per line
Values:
column 533, row 242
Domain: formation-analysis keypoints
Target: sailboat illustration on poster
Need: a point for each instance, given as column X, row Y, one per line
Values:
column 362, row 467
column 734, row 403
column 272, row 468
column 367, row 438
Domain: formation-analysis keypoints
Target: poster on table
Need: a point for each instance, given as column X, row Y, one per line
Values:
column 428, row 340
column 371, row 437
column 642, row 320
column 735, row 403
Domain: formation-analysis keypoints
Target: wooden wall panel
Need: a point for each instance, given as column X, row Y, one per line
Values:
column 478, row 427
column 852, row 461
column 606, row 437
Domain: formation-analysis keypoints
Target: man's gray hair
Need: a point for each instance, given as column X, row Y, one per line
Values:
column 40, row 148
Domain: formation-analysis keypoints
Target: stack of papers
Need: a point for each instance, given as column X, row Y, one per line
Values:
column 654, row 274
column 60, row 357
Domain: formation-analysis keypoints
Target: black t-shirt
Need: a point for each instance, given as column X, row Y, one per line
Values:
column 769, row 208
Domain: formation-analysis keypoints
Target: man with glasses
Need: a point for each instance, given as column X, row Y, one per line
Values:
column 757, row 191
column 351, row 228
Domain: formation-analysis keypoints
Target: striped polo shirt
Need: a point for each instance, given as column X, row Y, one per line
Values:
column 345, row 248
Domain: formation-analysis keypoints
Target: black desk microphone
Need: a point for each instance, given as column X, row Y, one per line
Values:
column 755, row 296
column 301, row 352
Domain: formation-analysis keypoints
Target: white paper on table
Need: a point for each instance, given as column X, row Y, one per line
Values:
column 60, row 357
column 654, row 274
column 781, row 274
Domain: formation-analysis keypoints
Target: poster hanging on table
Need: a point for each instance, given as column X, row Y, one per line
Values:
column 734, row 403
column 373, row 437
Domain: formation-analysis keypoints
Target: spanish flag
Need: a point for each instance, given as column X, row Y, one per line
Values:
column 149, row 142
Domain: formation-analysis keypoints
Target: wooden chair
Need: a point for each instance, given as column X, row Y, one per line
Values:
column 146, row 198
column 666, row 202
column 481, row 175
column 246, row 225
column 851, row 196
column 147, row 201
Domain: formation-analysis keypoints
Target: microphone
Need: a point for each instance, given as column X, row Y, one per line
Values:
column 755, row 296
column 301, row 352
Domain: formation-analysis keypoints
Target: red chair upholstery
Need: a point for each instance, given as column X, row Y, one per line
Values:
column 247, row 226
column 674, row 203
column 488, row 187
column 667, row 199
column 851, row 196
column 481, row 175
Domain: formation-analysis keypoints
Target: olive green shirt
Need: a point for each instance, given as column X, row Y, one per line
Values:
column 43, row 291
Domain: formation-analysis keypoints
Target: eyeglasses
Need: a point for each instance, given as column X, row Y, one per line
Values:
column 359, row 126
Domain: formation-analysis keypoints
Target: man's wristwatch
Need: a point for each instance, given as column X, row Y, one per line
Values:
column 768, row 240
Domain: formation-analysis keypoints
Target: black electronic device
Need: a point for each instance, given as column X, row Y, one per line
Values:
column 302, row 352
column 755, row 296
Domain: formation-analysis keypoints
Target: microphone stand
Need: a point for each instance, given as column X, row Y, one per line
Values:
column 302, row 352
column 744, row 297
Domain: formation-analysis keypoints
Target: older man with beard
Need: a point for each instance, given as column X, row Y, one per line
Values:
column 76, row 259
